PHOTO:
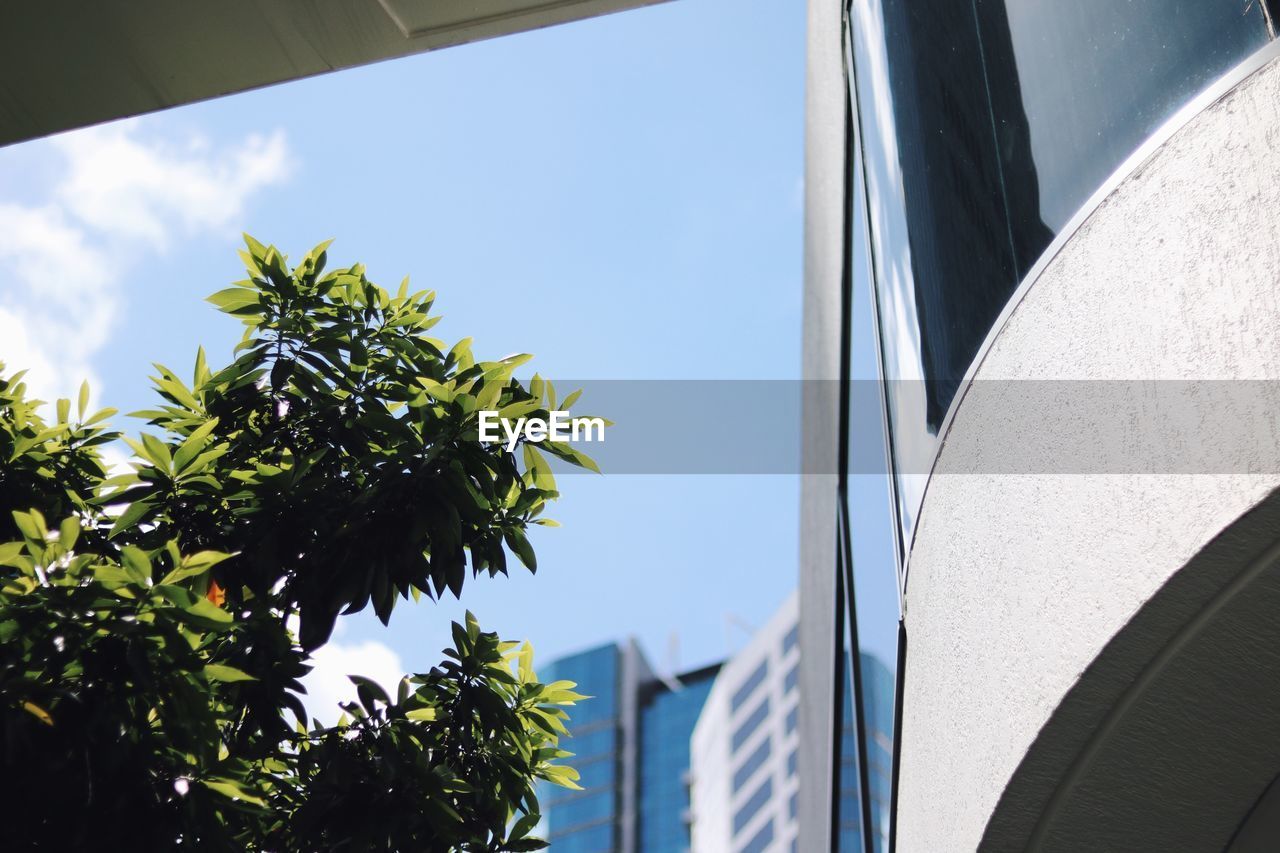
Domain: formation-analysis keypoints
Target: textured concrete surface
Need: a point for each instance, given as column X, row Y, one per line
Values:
column 824, row 174
column 1018, row 581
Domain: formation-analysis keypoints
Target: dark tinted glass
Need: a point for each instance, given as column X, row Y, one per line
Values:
column 985, row 126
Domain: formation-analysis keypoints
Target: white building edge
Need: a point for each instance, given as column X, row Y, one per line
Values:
column 743, row 749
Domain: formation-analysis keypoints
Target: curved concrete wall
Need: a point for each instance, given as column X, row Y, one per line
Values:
column 1017, row 581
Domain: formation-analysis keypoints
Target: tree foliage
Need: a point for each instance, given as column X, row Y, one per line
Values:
column 149, row 666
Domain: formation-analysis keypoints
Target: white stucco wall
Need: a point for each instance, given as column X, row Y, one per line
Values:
column 1016, row 581
column 713, row 761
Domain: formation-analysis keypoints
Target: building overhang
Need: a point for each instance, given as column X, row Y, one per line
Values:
column 69, row 64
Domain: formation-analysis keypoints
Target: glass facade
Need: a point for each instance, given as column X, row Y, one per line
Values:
column 878, row 706
column 984, row 127
column 980, row 132
column 587, row 821
column 633, row 719
column 667, row 718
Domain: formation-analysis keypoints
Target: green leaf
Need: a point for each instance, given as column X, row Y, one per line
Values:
column 511, row 411
column 195, row 443
column 421, row 714
column 132, row 514
column 31, row 525
column 570, row 454
column 517, row 542
column 536, row 464
column 68, row 533
column 229, row 674
column 232, row 790
column 196, row 564
column 256, row 249
column 84, row 398
column 9, row 551
column 524, row 826
column 565, row 777
column 157, row 452
column 99, row 416
column 234, row 299
column 205, row 609
column 136, row 563
column 370, row 688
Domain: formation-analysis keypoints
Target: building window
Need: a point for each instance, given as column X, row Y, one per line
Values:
column 758, row 800
column 791, row 680
column 754, row 680
column 791, row 640
column 761, row 840
column 752, row 763
column 749, row 725
column 588, row 839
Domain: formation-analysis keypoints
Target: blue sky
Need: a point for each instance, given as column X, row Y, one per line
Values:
column 621, row 197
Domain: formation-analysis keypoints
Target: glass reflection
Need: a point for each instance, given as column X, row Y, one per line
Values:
column 985, row 126
column 869, row 563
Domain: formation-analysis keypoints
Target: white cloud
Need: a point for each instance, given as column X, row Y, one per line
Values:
column 117, row 461
column 125, row 187
column 328, row 683
column 119, row 195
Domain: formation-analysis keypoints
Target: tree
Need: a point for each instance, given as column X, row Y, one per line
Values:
column 149, row 668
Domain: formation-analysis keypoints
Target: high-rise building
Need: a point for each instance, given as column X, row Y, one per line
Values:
column 631, row 748
column 745, row 787
column 1048, row 230
column 743, row 749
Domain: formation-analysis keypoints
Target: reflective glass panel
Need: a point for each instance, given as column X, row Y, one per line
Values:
column 667, row 718
column 985, row 126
